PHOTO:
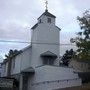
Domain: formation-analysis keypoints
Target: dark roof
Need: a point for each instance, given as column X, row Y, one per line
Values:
column 28, row 70
column 58, row 28
column 35, row 26
column 48, row 14
column 29, row 46
column 48, row 53
column 45, row 13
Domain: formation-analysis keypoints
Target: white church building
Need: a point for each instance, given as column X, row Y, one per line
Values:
column 37, row 66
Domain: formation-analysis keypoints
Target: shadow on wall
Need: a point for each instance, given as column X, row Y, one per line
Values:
column 85, row 76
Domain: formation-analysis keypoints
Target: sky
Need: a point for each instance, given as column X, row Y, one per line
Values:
column 18, row 16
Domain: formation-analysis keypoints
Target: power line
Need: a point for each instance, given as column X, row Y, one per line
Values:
column 6, row 41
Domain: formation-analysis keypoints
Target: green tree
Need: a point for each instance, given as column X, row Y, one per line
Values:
column 83, row 39
column 11, row 54
column 67, row 56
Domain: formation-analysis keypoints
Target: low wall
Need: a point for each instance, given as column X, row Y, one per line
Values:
column 51, row 85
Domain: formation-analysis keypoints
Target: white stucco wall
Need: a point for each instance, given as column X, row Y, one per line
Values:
column 51, row 85
column 52, row 77
column 22, row 61
column 45, row 37
column 4, row 69
column 45, row 33
column 0, row 70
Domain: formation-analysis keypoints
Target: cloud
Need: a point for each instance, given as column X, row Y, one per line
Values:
column 18, row 16
column 15, row 32
column 6, row 47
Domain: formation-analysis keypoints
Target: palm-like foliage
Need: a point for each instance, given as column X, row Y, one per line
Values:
column 12, row 53
column 83, row 40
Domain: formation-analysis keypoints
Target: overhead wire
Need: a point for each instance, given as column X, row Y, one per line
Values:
column 23, row 42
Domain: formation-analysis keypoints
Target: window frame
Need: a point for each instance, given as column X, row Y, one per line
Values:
column 49, row 20
column 48, row 60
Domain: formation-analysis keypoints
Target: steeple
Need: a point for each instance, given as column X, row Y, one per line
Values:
column 45, row 18
column 46, row 5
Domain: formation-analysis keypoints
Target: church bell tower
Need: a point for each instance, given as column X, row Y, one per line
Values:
column 45, row 40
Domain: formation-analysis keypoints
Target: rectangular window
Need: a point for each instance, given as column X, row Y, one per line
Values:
column 49, row 20
column 48, row 61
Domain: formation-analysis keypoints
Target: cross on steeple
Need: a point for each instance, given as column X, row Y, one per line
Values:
column 46, row 3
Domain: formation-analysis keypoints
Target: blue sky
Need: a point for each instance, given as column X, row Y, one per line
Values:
column 18, row 16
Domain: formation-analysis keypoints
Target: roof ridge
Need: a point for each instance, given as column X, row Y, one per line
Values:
column 48, row 14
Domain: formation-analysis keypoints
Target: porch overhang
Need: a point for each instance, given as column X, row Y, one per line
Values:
column 48, row 54
column 28, row 70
